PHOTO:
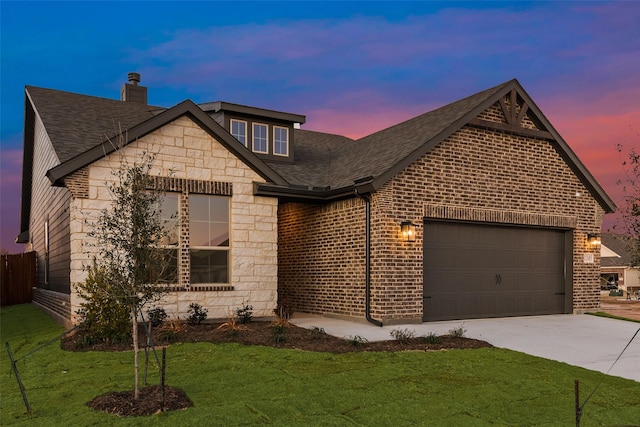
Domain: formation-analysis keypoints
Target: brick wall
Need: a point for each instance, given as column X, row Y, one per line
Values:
column 476, row 174
column 322, row 257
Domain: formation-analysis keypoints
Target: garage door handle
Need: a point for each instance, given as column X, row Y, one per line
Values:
column 498, row 279
column 559, row 293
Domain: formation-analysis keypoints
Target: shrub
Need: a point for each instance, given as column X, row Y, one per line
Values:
column 317, row 332
column 196, row 314
column 245, row 313
column 232, row 326
column 458, row 332
column 283, row 314
column 356, row 340
column 156, row 316
column 402, row 335
column 432, row 338
column 279, row 335
column 102, row 317
column 170, row 329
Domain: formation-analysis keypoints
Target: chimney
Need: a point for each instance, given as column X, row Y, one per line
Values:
column 131, row 92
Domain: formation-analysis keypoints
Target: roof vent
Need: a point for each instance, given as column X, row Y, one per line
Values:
column 134, row 78
column 132, row 92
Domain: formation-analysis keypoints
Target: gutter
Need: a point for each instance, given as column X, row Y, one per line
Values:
column 367, row 309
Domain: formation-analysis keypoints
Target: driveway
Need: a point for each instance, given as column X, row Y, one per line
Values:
column 582, row 340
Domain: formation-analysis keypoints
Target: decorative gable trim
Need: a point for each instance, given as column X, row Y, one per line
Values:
column 512, row 114
column 510, row 128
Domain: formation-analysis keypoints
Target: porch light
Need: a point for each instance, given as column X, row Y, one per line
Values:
column 594, row 238
column 408, row 231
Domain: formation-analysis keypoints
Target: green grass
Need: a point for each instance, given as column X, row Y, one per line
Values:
column 232, row 385
column 612, row 316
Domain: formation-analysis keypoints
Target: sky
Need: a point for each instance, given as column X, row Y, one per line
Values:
column 351, row 68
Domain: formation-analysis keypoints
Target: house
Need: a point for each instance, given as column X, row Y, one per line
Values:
column 615, row 263
column 476, row 209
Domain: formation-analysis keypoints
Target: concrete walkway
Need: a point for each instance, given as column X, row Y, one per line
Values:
column 582, row 340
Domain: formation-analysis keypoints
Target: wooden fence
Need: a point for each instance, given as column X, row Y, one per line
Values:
column 17, row 278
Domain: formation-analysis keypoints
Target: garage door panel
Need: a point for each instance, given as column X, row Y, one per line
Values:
column 474, row 271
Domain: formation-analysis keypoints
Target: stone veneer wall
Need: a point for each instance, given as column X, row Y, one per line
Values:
column 474, row 175
column 187, row 156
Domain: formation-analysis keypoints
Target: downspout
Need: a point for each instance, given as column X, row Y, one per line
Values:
column 367, row 280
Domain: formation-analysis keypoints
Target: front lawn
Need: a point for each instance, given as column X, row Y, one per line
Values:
column 232, row 384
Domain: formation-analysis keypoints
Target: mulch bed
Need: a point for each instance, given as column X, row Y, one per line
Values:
column 254, row 333
column 149, row 401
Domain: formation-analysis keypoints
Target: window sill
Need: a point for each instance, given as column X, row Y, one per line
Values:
column 208, row 288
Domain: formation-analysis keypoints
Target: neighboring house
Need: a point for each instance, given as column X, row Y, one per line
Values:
column 476, row 209
column 615, row 262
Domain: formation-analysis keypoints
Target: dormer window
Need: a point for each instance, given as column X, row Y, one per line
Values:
column 260, row 142
column 268, row 134
column 280, row 141
column 239, row 131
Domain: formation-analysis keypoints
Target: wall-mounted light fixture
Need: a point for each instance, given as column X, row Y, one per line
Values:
column 408, row 231
column 594, row 238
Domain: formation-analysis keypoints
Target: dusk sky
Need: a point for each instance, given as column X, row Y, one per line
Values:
column 351, row 67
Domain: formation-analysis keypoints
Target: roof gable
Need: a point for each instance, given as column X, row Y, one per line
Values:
column 377, row 158
column 619, row 245
column 185, row 108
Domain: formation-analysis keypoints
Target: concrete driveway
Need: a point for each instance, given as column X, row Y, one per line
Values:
column 582, row 340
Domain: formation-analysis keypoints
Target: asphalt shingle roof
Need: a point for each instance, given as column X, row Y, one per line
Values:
column 326, row 160
column 618, row 244
column 76, row 123
column 330, row 164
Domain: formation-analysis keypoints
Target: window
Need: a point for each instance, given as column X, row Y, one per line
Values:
column 280, row 141
column 239, row 131
column 260, row 138
column 46, row 252
column 164, row 268
column 209, row 238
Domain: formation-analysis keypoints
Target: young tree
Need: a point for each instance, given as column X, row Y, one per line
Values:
column 628, row 223
column 129, row 236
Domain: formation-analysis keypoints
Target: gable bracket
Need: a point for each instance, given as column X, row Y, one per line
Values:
column 511, row 128
column 523, row 112
column 505, row 110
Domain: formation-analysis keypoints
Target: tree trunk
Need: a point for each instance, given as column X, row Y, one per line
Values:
column 134, row 333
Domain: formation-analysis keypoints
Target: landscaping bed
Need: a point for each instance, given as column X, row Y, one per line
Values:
column 254, row 333
column 264, row 333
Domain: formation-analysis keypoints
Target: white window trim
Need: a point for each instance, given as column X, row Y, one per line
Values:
column 274, row 141
column 246, row 126
column 253, row 138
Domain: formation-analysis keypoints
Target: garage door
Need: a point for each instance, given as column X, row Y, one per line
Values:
column 473, row 271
